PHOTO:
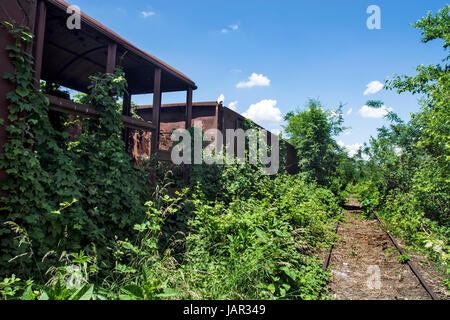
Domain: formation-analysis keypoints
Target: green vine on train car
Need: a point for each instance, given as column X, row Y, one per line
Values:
column 91, row 182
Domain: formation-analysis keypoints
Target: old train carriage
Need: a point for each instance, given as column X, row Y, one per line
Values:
column 68, row 57
column 211, row 114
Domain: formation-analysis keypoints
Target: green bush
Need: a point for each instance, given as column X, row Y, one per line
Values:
column 258, row 247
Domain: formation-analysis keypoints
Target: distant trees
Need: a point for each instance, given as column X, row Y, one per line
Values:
column 312, row 133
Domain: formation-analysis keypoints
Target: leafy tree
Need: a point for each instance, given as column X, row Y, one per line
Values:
column 311, row 132
column 408, row 171
column 432, row 123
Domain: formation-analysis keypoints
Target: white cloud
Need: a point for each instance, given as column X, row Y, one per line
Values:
column 233, row 105
column 221, row 98
column 233, row 27
column 369, row 112
column 264, row 113
column 373, row 87
column 351, row 149
column 146, row 14
column 349, row 112
column 347, row 132
column 334, row 114
column 254, row 80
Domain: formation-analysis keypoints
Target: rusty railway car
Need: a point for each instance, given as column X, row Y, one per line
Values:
column 69, row 57
column 211, row 114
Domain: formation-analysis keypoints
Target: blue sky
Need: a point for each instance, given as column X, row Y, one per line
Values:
column 295, row 49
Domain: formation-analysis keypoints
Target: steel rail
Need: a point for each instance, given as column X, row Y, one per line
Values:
column 326, row 261
column 413, row 268
column 410, row 264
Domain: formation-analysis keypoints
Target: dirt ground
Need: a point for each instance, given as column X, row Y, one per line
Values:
column 364, row 264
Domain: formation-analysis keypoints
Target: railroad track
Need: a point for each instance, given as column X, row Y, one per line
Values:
column 411, row 265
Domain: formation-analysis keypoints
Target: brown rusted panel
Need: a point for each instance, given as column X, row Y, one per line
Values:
column 164, row 155
column 141, row 145
column 229, row 120
column 207, row 117
column 291, row 159
column 172, row 117
column 142, row 148
column 23, row 12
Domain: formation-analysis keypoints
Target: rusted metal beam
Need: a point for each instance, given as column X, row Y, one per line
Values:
column 39, row 41
column 126, row 111
column 137, row 124
column 135, row 90
column 126, row 106
column 156, row 113
column 327, row 260
column 69, row 107
column 156, row 117
column 111, row 59
column 188, row 108
column 410, row 264
column 216, row 117
column 222, row 124
column 187, row 172
column 219, row 144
